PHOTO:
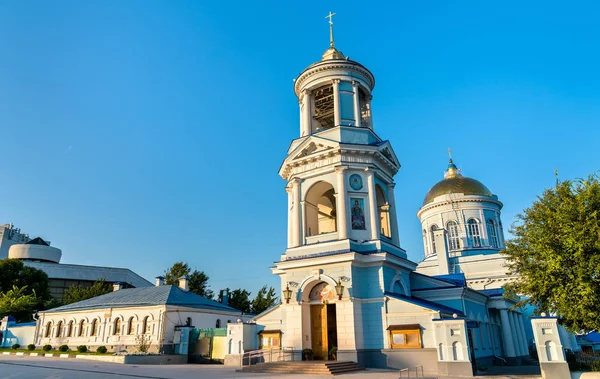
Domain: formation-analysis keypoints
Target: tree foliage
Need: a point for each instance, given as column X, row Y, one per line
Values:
column 265, row 299
column 198, row 280
column 14, row 272
column 556, row 253
column 79, row 293
column 19, row 302
column 238, row 299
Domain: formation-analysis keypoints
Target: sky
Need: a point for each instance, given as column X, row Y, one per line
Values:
column 140, row 133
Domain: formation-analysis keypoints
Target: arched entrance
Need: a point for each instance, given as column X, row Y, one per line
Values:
column 323, row 320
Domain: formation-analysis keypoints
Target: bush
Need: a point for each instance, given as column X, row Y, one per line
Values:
column 47, row 347
column 595, row 366
column 63, row 348
column 101, row 350
column 31, row 347
column 82, row 348
column 15, row 346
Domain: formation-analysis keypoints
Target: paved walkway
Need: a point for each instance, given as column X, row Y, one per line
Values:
column 40, row 367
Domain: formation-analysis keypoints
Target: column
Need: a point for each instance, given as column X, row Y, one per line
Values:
column 515, row 333
column 342, row 220
column 373, row 212
column 356, row 104
column 336, row 102
column 509, row 346
column 393, row 216
column 485, row 239
column 306, row 113
column 297, row 213
column 290, row 234
column 370, row 112
column 521, row 327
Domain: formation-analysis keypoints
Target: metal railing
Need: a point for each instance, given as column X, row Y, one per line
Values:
column 417, row 369
column 254, row 356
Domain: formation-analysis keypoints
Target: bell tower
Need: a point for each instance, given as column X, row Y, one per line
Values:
column 339, row 172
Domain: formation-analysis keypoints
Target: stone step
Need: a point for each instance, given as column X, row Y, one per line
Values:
column 303, row 367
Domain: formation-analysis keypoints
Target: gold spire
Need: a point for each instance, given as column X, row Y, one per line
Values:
column 332, row 52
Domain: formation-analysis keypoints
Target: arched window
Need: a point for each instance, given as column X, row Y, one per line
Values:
column 383, row 208
column 218, row 323
column 117, row 327
column 492, row 233
column 94, row 330
column 432, row 229
column 80, row 331
column 457, row 352
column 48, row 329
column 130, row 326
column 320, row 209
column 474, row 233
column 453, row 238
column 188, row 321
column 70, row 329
column 145, row 326
column 441, row 352
column 59, row 330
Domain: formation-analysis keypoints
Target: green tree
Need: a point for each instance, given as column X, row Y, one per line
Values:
column 198, row 280
column 79, row 293
column 14, row 272
column 265, row 299
column 556, row 253
column 19, row 302
column 238, row 299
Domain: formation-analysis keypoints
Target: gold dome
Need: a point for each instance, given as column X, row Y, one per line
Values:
column 332, row 53
column 454, row 182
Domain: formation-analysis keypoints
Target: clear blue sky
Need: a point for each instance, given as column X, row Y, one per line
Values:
column 138, row 133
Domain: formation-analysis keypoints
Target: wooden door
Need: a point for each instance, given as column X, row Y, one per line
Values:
column 318, row 322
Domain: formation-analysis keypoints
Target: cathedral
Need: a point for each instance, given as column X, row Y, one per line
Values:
column 349, row 290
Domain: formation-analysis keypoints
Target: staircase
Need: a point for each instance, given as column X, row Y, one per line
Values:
column 303, row 367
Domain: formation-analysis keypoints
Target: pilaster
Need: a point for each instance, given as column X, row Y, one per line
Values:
column 336, row 102
column 342, row 219
column 393, row 215
column 373, row 224
column 356, row 104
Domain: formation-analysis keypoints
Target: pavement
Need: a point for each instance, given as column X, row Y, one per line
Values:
column 21, row 367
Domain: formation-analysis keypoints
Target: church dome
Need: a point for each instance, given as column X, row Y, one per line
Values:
column 454, row 182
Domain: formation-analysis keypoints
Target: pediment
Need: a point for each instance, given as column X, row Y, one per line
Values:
column 388, row 152
column 312, row 146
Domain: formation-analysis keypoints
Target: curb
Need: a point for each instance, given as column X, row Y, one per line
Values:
column 46, row 355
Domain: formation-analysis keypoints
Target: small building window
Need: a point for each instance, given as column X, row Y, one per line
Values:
column 130, row 326
column 80, row 331
column 59, row 330
column 94, row 330
column 188, row 321
column 474, row 233
column 218, row 323
column 492, row 233
column 453, row 237
column 145, row 326
column 70, row 329
column 48, row 329
column 405, row 336
column 269, row 339
column 117, row 327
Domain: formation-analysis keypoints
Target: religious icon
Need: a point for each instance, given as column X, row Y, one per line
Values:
column 358, row 214
column 355, row 182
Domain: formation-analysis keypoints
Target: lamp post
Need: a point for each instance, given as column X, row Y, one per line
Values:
column 287, row 294
column 339, row 289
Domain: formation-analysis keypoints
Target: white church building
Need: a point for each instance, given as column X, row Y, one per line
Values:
column 347, row 283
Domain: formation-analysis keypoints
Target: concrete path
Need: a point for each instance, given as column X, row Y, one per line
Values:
column 39, row 367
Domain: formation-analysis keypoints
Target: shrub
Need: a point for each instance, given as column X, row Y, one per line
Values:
column 143, row 343
column 595, row 366
column 31, row 347
column 47, row 347
column 307, row 354
column 63, row 348
column 82, row 348
column 101, row 350
column 15, row 346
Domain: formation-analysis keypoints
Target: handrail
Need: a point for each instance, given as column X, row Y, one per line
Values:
column 250, row 355
column 405, row 370
column 283, row 353
column 417, row 371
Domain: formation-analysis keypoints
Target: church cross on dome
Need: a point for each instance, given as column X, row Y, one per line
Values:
column 450, row 154
column 330, row 17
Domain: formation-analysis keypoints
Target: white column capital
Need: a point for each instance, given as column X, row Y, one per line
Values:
column 341, row 169
column 391, row 186
column 336, row 81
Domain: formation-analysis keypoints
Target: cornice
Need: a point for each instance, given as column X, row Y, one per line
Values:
column 437, row 204
column 327, row 66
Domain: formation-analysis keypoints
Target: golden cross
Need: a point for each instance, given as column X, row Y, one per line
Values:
column 450, row 153
column 330, row 17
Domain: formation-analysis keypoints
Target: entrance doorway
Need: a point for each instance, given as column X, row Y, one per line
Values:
column 323, row 330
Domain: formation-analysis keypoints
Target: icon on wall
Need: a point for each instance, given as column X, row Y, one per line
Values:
column 355, row 182
column 358, row 214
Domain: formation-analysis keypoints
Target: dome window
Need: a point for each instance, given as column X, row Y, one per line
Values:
column 492, row 233
column 453, row 238
column 474, row 233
